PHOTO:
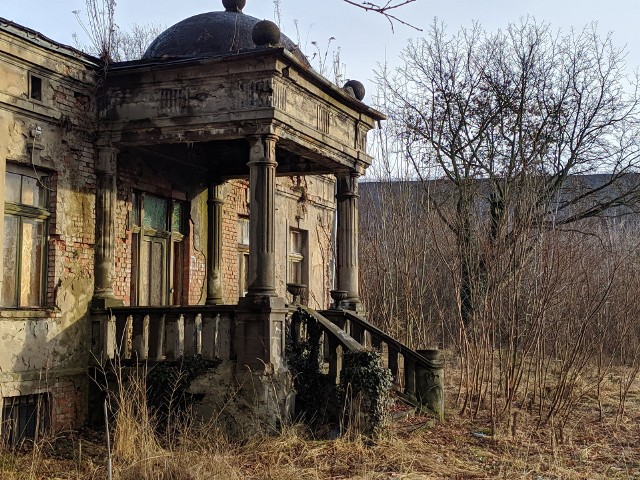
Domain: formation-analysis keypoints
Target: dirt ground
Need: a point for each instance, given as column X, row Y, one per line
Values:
column 413, row 448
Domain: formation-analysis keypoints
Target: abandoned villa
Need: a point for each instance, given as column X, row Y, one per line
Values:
column 172, row 206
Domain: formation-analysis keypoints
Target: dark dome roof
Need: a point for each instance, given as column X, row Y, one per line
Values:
column 211, row 33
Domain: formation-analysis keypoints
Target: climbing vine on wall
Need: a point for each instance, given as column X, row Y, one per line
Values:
column 365, row 381
column 167, row 385
column 304, row 362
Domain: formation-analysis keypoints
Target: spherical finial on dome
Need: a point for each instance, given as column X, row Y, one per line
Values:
column 355, row 89
column 234, row 5
column 265, row 32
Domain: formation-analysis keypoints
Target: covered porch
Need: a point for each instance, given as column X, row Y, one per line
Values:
column 253, row 116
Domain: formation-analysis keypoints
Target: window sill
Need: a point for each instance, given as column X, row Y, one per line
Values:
column 29, row 312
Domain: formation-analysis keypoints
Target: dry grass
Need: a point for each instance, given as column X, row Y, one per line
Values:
column 418, row 448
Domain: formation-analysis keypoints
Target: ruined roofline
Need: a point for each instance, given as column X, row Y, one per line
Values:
column 40, row 40
column 124, row 68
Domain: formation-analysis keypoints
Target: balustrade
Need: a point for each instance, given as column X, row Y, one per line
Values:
column 163, row 333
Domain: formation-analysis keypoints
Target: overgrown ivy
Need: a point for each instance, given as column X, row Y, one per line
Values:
column 364, row 376
column 168, row 382
column 305, row 364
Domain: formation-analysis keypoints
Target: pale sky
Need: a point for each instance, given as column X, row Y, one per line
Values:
column 365, row 39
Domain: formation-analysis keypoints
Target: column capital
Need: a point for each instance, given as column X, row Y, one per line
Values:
column 263, row 149
column 107, row 159
column 216, row 193
column 347, row 185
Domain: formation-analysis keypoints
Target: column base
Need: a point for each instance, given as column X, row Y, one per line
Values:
column 355, row 305
column 106, row 301
column 260, row 332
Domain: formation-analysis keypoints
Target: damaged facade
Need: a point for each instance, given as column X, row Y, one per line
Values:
column 158, row 208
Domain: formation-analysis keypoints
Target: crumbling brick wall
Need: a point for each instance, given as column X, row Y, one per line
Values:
column 45, row 348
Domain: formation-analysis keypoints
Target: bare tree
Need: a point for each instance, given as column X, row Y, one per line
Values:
column 106, row 39
column 507, row 119
column 524, row 148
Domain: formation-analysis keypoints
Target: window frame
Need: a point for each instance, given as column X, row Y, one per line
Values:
column 298, row 258
column 15, row 424
column 33, row 76
column 39, row 214
column 243, row 255
column 173, row 286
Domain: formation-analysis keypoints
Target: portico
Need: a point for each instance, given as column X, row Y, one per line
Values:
column 257, row 113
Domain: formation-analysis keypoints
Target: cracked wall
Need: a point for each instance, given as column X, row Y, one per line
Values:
column 45, row 348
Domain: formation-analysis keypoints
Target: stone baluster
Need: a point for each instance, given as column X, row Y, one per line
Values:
column 140, row 336
column 190, row 341
column 409, row 376
column 335, row 359
column 392, row 362
column 156, row 337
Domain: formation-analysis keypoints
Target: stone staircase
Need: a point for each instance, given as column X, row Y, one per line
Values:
column 418, row 376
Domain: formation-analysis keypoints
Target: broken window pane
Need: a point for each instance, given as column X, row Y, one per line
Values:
column 296, row 242
column 32, row 192
column 12, row 187
column 134, row 220
column 155, row 212
column 31, row 265
column 176, row 221
column 243, row 231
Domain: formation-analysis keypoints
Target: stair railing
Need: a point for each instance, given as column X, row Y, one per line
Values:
column 421, row 378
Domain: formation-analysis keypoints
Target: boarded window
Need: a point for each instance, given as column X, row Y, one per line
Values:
column 25, row 232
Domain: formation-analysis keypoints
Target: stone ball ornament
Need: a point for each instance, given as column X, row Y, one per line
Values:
column 234, row 5
column 265, row 32
column 355, row 89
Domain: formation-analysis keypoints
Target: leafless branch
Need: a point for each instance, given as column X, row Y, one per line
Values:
column 385, row 9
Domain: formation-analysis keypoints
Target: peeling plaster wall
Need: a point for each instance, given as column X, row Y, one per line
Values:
column 46, row 349
column 306, row 204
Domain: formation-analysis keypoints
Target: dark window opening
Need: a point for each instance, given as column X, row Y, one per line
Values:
column 25, row 418
column 35, row 88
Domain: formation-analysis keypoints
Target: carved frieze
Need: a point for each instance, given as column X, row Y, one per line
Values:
column 323, row 119
column 173, row 100
column 255, row 94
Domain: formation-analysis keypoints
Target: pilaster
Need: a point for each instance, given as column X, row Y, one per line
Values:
column 214, row 244
column 103, row 295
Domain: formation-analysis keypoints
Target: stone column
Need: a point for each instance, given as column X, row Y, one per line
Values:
column 347, row 239
column 262, row 229
column 103, row 295
column 214, row 244
column 260, row 320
